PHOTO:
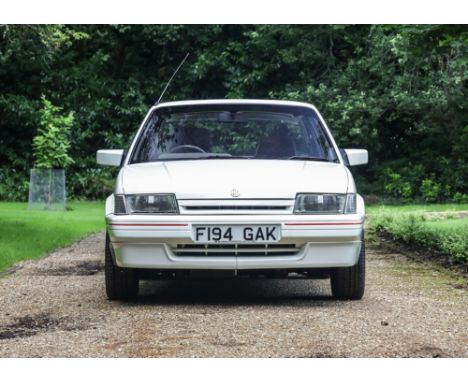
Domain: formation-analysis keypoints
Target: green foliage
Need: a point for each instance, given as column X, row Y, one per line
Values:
column 445, row 234
column 398, row 90
column 92, row 183
column 430, row 190
column 51, row 145
column 460, row 198
column 403, row 102
column 396, row 187
column 14, row 185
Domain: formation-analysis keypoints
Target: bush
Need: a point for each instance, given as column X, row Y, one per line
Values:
column 449, row 236
column 460, row 198
column 430, row 190
column 92, row 183
column 456, row 245
column 14, row 185
column 406, row 229
column 396, row 187
column 51, row 145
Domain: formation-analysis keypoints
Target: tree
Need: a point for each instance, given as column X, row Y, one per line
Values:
column 51, row 144
column 399, row 91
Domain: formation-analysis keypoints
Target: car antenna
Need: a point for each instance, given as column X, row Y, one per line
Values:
column 170, row 79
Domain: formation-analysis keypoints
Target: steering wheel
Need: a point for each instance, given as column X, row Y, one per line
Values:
column 186, row 149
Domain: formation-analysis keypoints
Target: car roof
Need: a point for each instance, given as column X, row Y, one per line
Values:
column 234, row 102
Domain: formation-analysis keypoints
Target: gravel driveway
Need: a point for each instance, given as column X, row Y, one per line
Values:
column 56, row 307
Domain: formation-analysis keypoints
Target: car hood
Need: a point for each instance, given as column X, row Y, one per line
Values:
column 215, row 179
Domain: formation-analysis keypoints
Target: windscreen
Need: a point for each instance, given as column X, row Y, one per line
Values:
column 249, row 132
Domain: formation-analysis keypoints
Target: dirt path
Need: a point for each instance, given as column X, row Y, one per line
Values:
column 56, row 307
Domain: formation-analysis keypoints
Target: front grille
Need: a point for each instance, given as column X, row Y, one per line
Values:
column 236, row 250
column 258, row 208
column 236, row 206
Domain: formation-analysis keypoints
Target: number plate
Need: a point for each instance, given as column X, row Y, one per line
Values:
column 236, row 233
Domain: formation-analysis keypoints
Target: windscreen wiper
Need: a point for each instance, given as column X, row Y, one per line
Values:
column 305, row 157
column 224, row 156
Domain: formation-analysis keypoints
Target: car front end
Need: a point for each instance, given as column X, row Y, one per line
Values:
column 204, row 207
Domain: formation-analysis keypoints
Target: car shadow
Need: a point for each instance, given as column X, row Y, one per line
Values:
column 235, row 292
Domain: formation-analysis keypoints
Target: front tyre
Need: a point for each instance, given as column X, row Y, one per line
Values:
column 121, row 283
column 348, row 283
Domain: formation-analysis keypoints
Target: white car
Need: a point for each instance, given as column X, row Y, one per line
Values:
column 237, row 188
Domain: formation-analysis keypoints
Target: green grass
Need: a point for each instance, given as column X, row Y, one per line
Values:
column 416, row 224
column 29, row 234
column 418, row 208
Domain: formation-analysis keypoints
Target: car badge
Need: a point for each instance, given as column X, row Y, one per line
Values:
column 235, row 193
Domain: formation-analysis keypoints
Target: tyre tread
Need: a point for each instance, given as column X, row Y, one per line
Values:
column 348, row 283
column 121, row 283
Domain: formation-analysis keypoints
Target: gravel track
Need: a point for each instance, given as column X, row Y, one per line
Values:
column 56, row 307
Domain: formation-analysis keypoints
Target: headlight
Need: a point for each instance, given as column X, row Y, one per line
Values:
column 325, row 204
column 147, row 204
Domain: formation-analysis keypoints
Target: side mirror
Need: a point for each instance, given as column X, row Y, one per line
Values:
column 357, row 156
column 109, row 157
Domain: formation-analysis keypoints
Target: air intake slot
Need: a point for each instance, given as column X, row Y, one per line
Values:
column 236, row 250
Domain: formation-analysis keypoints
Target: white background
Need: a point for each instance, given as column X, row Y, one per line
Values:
column 236, row 11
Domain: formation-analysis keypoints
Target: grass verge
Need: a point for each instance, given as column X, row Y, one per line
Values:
column 434, row 227
column 28, row 234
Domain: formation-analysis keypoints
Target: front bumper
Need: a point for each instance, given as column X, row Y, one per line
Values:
column 322, row 241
